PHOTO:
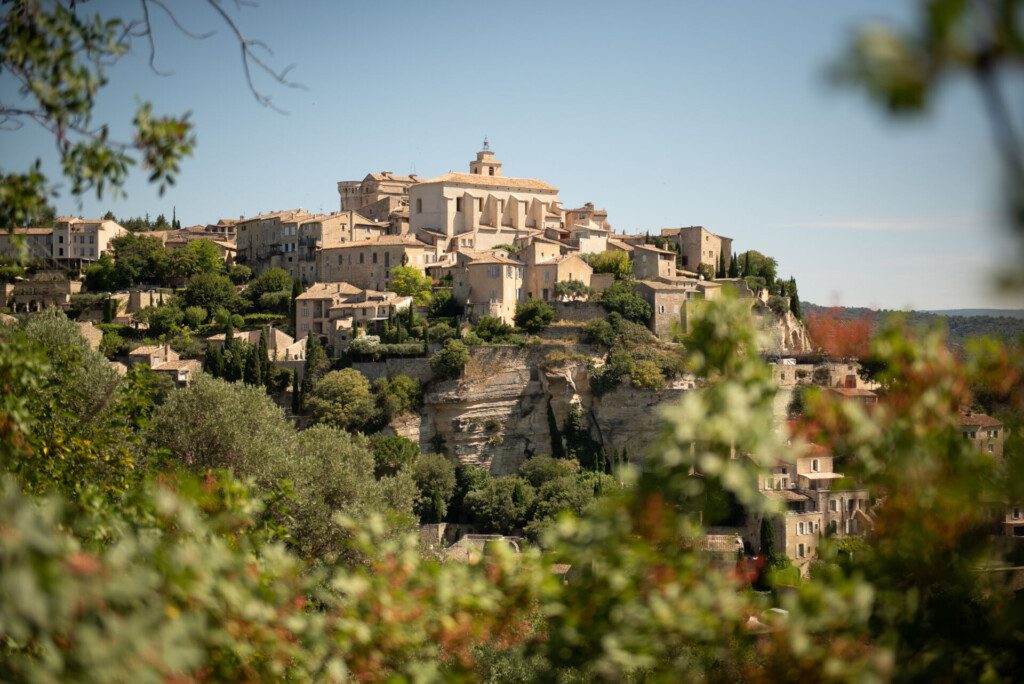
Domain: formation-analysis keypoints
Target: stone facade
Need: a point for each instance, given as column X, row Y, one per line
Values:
column 488, row 284
column 482, row 201
column 368, row 264
column 43, row 290
column 698, row 245
column 652, row 263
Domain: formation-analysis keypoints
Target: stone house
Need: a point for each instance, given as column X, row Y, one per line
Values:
column 668, row 303
column 546, row 265
column 43, row 290
column 162, row 359
column 93, row 335
column 335, row 310
column 652, row 263
column 367, row 264
column 813, row 508
column 482, row 201
column 488, row 284
column 698, row 245
column 865, row 396
column 37, row 243
column 988, row 435
column 280, row 345
column 377, row 195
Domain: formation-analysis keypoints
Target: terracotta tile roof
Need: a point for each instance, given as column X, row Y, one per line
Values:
column 147, row 349
column 392, row 177
column 972, row 419
column 619, row 244
column 183, row 364
column 852, row 392
column 784, row 495
column 492, row 181
column 490, row 258
column 325, row 290
column 382, row 241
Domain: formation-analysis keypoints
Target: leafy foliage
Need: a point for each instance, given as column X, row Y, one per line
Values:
column 533, row 315
column 450, row 360
column 622, row 298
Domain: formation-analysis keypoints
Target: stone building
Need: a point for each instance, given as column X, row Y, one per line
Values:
column 37, row 243
column 668, row 304
column 368, row 264
column 43, row 290
column 698, row 245
column 378, row 195
column 280, row 345
column 651, row 262
column 483, row 208
column 487, row 284
column 813, row 508
column 333, row 311
column 546, row 265
column 162, row 359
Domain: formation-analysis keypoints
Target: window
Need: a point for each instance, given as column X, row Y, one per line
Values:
column 800, row 528
column 494, row 295
column 374, row 257
column 419, row 206
column 387, row 259
column 508, row 271
column 785, row 483
column 458, row 204
column 60, row 252
column 833, row 505
column 991, row 449
column 490, row 170
column 1017, row 513
column 850, row 505
column 661, row 308
column 60, row 239
column 361, row 255
column 801, row 550
column 339, row 259
column 547, row 276
column 92, row 239
column 814, row 466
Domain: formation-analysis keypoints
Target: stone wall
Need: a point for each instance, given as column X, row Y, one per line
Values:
column 416, row 368
column 578, row 312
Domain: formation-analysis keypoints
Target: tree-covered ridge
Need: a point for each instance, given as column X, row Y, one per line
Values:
column 959, row 328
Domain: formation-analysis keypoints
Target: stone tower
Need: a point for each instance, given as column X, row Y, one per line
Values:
column 485, row 164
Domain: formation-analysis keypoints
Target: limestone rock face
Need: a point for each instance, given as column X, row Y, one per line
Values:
column 628, row 421
column 783, row 333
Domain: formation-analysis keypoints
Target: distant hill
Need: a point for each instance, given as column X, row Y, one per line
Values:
column 1007, row 324
column 994, row 313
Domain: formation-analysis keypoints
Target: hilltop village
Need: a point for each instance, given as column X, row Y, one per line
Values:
column 469, row 315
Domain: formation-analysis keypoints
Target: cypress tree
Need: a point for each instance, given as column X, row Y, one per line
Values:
column 721, row 265
column 296, row 394
column 746, row 265
column 767, row 539
column 213, row 362
column 317, row 364
column 794, row 300
column 263, row 355
column 253, row 370
column 734, row 268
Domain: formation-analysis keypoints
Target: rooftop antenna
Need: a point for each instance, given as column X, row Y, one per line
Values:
column 487, row 145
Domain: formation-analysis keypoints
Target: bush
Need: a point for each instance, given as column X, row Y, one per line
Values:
column 540, row 469
column 648, row 375
column 621, row 298
column 598, row 331
column 113, row 345
column 240, row 274
column 450, row 360
column 439, row 332
column 211, row 291
column 194, row 316
column 778, row 304
column 398, row 395
column 493, row 330
column 533, row 315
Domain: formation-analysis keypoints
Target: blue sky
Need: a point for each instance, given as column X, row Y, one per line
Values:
column 665, row 114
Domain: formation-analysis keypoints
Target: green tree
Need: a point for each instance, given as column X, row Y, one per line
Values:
column 501, row 504
column 211, row 291
column 392, row 454
column 734, row 268
column 572, row 290
column 410, row 282
column 240, row 274
column 316, row 366
column 612, row 261
column 253, row 369
column 296, row 394
column 533, row 315
column 449, row 361
column 434, row 475
column 194, row 316
column 342, row 398
column 540, row 469
column 272, row 280
column 623, row 299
